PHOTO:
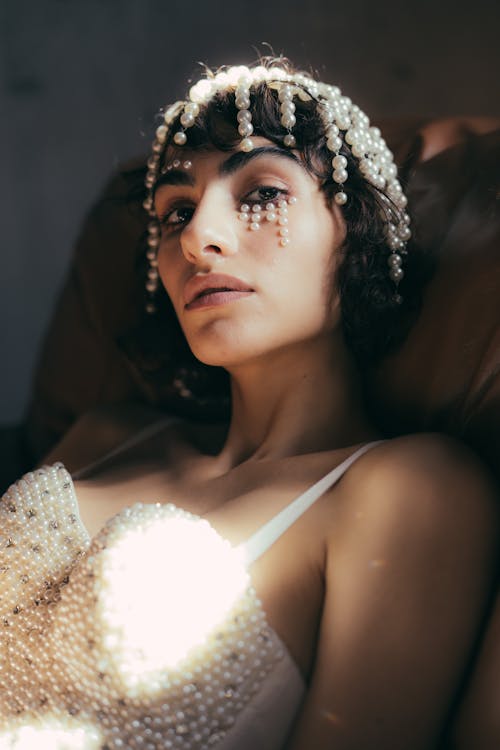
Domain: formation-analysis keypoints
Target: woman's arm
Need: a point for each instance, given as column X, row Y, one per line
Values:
column 408, row 579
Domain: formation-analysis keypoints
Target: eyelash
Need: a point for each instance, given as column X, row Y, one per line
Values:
column 165, row 218
column 277, row 193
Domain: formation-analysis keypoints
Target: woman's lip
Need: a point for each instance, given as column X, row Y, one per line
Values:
column 210, row 284
column 216, row 297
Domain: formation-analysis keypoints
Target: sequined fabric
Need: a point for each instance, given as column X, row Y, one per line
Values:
column 74, row 671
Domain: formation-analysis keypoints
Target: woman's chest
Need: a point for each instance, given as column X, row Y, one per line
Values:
column 288, row 577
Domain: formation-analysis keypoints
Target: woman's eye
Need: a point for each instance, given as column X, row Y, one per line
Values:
column 176, row 216
column 265, row 194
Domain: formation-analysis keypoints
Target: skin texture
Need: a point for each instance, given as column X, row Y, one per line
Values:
column 380, row 589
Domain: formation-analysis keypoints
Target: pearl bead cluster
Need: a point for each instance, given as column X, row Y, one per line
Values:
column 64, row 667
column 345, row 126
column 177, row 164
column 41, row 540
column 274, row 213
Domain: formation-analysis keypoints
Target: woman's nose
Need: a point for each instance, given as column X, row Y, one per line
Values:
column 210, row 232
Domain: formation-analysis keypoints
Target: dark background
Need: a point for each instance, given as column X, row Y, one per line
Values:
column 82, row 79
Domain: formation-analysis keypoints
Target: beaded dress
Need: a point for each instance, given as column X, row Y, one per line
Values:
column 98, row 651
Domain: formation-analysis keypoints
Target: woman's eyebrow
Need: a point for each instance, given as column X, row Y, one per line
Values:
column 174, row 177
column 240, row 159
column 231, row 165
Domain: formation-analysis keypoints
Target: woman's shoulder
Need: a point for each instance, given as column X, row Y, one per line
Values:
column 408, row 571
column 420, row 484
column 425, row 461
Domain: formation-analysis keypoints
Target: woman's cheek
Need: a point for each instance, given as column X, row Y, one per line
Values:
column 167, row 272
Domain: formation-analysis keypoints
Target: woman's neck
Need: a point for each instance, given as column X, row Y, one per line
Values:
column 295, row 402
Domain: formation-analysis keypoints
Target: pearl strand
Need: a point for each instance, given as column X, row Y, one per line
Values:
column 244, row 116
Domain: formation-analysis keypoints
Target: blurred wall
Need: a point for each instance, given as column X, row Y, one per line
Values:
column 82, row 79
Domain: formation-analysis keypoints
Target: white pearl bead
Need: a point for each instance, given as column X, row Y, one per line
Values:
column 161, row 132
column 289, row 140
column 287, row 108
column 244, row 115
column 180, row 138
column 245, row 128
column 394, row 260
column 334, row 143
column 340, row 175
column 358, row 151
column 390, row 171
column 396, row 274
column 350, row 137
column 246, row 144
column 192, row 108
column 242, row 102
column 288, row 121
column 340, row 198
column 254, row 226
column 284, row 241
column 339, row 162
column 187, row 119
column 285, row 93
column 343, row 122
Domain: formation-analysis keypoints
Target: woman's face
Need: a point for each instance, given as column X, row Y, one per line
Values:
column 240, row 294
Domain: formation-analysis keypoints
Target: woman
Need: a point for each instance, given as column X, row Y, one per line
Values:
column 287, row 578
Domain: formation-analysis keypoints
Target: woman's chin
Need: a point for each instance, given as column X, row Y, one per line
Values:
column 222, row 351
column 224, row 356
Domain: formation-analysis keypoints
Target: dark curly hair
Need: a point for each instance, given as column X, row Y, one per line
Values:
column 374, row 319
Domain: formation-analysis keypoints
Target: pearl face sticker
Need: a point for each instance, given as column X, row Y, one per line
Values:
column 177, row 164
column 273, row 212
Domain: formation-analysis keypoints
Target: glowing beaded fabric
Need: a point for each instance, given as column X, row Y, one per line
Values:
column 78, row 671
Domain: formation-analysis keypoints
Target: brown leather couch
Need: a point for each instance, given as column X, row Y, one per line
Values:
column 445, row 377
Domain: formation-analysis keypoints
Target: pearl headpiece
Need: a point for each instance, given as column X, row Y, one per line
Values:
column 344, row 125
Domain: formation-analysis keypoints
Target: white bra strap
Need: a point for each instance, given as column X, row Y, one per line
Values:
column 260, row 542
column 138, row 437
